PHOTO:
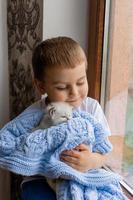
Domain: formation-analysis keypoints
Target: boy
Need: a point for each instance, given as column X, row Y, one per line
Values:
column 59, row 67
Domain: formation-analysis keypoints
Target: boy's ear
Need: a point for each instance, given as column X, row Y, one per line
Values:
column 40, row 86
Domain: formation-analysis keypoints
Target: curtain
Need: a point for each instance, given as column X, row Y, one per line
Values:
column 24, row 21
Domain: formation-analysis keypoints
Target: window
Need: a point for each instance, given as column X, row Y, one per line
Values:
column 117, row 84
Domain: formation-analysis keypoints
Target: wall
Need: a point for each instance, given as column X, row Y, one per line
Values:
column 69, row 18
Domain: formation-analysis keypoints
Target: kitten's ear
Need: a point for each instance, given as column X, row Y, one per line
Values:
column 51, row 111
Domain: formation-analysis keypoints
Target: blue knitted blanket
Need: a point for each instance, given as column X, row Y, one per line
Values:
column 30, row 153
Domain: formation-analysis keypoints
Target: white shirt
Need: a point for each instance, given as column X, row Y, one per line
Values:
column 93, row 107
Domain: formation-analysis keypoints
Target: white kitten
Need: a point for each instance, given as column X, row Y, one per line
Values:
column 56, row 113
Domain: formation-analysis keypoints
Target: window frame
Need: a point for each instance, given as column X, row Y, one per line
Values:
column 95, row 46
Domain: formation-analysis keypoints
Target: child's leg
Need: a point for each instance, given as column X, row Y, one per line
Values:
column 37, row 189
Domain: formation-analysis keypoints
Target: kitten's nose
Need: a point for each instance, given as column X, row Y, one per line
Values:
column 68, row 117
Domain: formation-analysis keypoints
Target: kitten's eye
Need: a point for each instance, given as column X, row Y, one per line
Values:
column 67, row 117
column 64, row 117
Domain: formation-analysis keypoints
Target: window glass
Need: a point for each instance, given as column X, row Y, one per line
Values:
column 118, row 96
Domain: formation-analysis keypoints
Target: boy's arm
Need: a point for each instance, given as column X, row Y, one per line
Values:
column 24, row 122
column 82, row 159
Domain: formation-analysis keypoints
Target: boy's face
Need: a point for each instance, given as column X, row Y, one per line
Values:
column 65, row 84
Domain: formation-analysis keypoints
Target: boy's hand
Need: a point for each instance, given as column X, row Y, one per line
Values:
column 80, row 158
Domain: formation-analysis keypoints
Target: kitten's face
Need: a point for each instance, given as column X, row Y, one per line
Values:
column 59, row 112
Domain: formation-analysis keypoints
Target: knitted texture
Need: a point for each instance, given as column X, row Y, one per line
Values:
column 30, row 153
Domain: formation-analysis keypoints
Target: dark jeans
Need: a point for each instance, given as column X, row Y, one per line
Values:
column 37, row 189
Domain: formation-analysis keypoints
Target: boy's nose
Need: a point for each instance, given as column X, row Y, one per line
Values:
column 73, row 91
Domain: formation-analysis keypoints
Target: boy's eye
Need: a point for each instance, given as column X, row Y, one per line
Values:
column 60, row 88
column 80, row 83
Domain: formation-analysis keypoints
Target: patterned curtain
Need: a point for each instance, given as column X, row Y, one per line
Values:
column 24, row 20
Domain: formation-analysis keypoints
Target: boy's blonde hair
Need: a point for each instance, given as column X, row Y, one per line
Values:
column 59, row 51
